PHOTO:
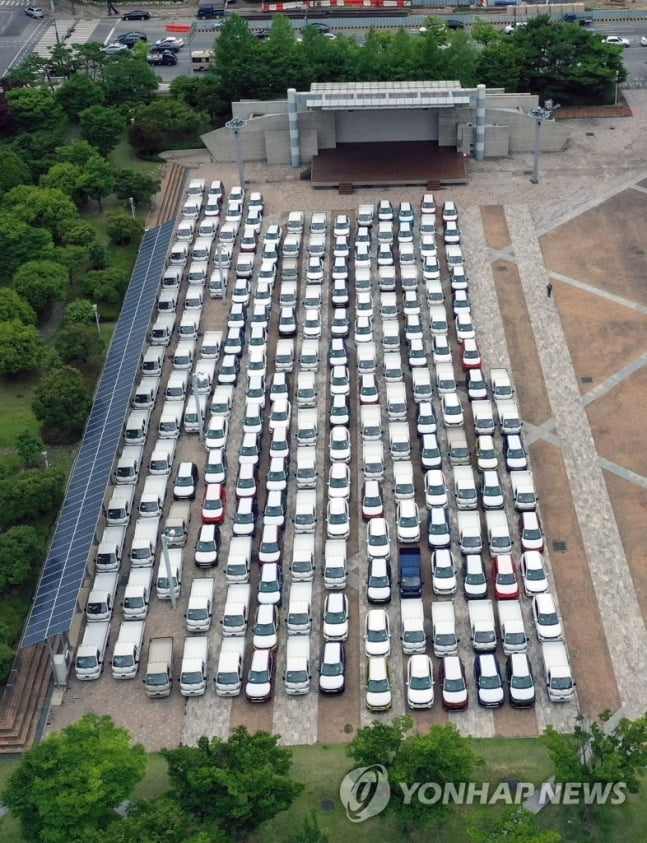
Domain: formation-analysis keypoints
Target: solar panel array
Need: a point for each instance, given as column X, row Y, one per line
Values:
column 58, row 589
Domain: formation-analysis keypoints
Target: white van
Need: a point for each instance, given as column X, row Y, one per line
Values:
column 152, row 361
column 222, row 399
column 421, row 381
column 169, row 424
column 391, row 336
column 172, row 278
column 454, row 256
column 197, row 274
column 370, row 422
column 136, row 427
column 201, row 251
column 309, row 358
column 386, row 276
column 393, row 372
column 211, row 344
column 195, row 414
column 306, row 468
column 176, row 386
column 335, row 569
column 366, row 357
column 438, row 320
column 373, row 461
column 162, row 329
column 284, row 357
column 306, row 389
column 188, row 328
column 179, row 253
column 403, row 484
column 445, row 379
column 167, row 301
column 396, row 401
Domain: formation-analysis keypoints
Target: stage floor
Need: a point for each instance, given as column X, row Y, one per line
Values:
column 388, row 164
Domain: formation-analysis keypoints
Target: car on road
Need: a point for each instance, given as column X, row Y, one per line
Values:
column 34, row 12
column 169, row 43
column 618, row 41
column 114, row 48
column 136, row 14
column 165, row 58
column 131, row 38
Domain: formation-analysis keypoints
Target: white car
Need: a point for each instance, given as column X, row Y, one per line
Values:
column 464, row 327
column 377, row 633
column 430, row 455
column 266, row 629
column 426, row 418
column 287, row 322
column 476, row 385
column 533, row 573
column 428, row 248
column 489, row 681
column 413, row 328
column 514, row 452
column 363, row 329
column 411, row 303
column 443, row 572
column 430, row 269
column 438, row 528
column 372, row 503
column 277, row 475
column 417, row 355
column 339, row 381
column 269, row 550
column 378, row 684
column 274, row 512
column 339, row 293
column 339, row 271
column 384, row 210
column 312, row 325
column 435, row 488
column 378, row 583
column 280, row 414
column 312, row 297
column 206, row 547
column 531, row 535
column 280, row 387
column 270, row 585
column 331, row 668
column 216, row 468
column 340, row 248
column 255, row 392
column 618, row 41
column 335, row 617
column 452, row 410
column 408, row 522
column 216, row 433
column 338, row 519
column 245, row 517
column 339, row 481
column 384, row 255
column 246, row 481
column 491, row 490
column 451, row 234
column 250, row 451
column 428, row 204
column 339, row 411
column 279, row 444
column 420, row 682
column 377, row 538
column 339, row 324
column 342, row 226
column 441, row 351
column 340, row 444
column 253, row 419
column 368, row 391
column 486, row 454
column 546, row 618
column 474, row 577
column 364, row 304
column 337, row 355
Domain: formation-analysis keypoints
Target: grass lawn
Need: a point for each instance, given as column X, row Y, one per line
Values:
column 123, row 157
column 15, row 408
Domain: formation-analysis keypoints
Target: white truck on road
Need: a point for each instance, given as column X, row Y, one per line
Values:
column 193, row 675
column 297, row 666
column 559, row 678
column 137, row 595
column 236, row 613
column 498, row 532
column 110, row 548
column 443, row 625
column 412, row 615
column 513, row 633
column 144, row 543
column 229, row 673
column 159, row 670
column 523, row 491
column 482, row 629
column 128, row 650
column 200, row 609
column 91, row 653
column 469, row 531
column 101, row 599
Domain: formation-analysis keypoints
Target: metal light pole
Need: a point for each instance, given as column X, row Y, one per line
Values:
column 539, row 114
column 169, row 571
column 95, row 308
column 132, row 206
column 44, row 454
column 236, row 124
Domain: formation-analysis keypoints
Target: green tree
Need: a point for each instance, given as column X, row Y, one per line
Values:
column 146, row 138
column 380, row 742
column 78, row 93
column 32, row 496
column 122, row 228
column 20, row 348
column 514, row 825
column 89, row 59
column 140, row 186
column 76, row 232
column 13, row 170
column 21, row 555
column 79, row 152
column 30, row 449
column 442, row 755
column 42, row 207
column 62, row 402
column 61, row 62
column 202, row 92
column 104, row 286
column 239, row 783
column 19, row 242
column 34, row 108
column 98, row 179
column 597, row 754
column 64, row 176
column 160, row 819
column 78, row 342
column 72, row 256
column 13, row 306
column 30, row 73
column 102, row 127
column 128, row 79
column 500, row 64
column 69, row 785
column 41, row 283
column 236, row 65
column 79, row 312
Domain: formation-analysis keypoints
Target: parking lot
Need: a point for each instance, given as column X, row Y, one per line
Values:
column 579, row 584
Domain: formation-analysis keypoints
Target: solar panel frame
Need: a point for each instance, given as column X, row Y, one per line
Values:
column 56, row 597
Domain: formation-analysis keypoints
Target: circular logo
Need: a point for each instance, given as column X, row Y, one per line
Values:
column 365, row 792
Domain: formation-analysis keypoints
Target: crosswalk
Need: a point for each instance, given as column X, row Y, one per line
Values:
column 4, row 3
column 82, row 33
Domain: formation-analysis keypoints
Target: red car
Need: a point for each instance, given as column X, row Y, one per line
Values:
column 504, row 574
column 214, row 504
column 471, row 357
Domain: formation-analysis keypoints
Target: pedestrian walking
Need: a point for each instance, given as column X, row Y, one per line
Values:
column 549, row 289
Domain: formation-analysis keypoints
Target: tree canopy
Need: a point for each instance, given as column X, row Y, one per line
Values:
column 21, row 348
column 41, row 283
column 62, row 402
column 67, row 786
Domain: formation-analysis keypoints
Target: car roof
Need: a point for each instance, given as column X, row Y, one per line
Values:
column 335, row 600
column 265, row 609
column 519, row 662
column 377, row 666
column 488, row 662
column 376, row 618
column 332, row 651
column 260, row 658
column 452, row 667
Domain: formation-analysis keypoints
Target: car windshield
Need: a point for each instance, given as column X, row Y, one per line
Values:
column 335, row 617
column 372, row 502
column 409, row 521
column 331, row 669
column 475, row 578
column 338, row 518
column 521, row 681
column 489, row 682
column 268, row 586
column 264, row 629
column 454, row 685
column 205, row 546
column 438, row 529
column 379, row 582
column 495, row 490
column 535, row 574
column 273, row 511
column 444, row 571
column 377, row 540
column 376, row 635
column 420, row 683
column 269, row 547
column 532, row 533
column 547, row 618
column 378, row 686
column 258, row 677
column 506, row 578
